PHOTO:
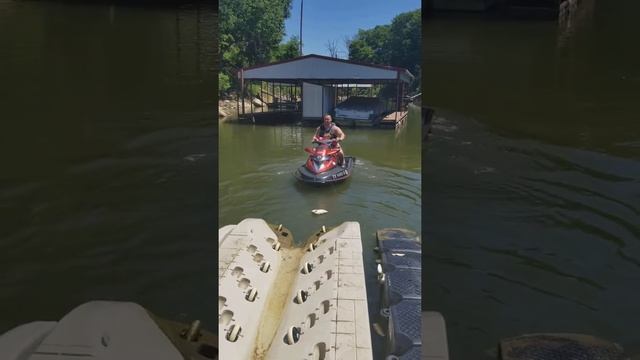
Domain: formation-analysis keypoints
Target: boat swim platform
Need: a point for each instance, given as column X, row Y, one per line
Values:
column 279, row 301
column 108, row 330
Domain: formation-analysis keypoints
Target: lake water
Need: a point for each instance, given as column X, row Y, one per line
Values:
column 532, row 177
column 107, row 185
column 257, row 163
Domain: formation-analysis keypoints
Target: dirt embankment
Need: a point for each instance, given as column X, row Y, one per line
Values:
column 228, row 108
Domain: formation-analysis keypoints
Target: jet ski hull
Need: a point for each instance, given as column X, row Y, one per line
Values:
column 336, row 175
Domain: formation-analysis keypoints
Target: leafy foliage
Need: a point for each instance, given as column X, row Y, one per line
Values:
column 406, row 41
column 288, row 50
column 397, row 44
column 250, row 33
column 371, row 46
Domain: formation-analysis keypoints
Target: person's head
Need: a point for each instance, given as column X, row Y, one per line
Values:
column 326, row 120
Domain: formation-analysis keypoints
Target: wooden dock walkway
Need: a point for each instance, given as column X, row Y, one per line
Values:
column 394, row 120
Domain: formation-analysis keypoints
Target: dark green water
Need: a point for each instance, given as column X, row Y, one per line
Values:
column 256, row 180
column 108, row 158
column 532, row 177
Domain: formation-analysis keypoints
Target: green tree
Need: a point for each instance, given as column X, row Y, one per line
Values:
column 359, row 50
column 405, row 40
column 287, row 50
column 250, row 32
column 371, row 45
column 397, row 44
column 223, row 83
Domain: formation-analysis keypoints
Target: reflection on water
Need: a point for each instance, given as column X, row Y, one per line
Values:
column 256, row 180
column 528, row 237
column 108, row 158
column 532, row 196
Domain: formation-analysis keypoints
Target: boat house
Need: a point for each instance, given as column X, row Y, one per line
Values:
column 304, row 88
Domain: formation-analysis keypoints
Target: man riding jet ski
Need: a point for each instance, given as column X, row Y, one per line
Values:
column 328, row 130
column 326, row 163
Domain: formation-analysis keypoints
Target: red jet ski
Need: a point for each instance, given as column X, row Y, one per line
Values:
column 322, row 165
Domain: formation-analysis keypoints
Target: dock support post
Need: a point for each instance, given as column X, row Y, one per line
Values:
column 397, row 95
column 242, row 88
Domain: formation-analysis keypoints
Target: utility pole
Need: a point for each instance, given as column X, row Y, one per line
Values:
column 301, row 5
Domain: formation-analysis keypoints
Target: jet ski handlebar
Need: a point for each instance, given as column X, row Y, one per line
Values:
column 325, row 142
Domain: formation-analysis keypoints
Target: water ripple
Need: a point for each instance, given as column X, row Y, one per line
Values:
column 544, row 266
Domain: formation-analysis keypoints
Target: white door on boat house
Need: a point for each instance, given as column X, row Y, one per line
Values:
column 318, row 100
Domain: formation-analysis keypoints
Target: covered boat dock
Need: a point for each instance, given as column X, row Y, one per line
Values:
column 305, row 88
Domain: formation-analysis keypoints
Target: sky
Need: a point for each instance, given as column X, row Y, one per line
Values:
column 325, row 20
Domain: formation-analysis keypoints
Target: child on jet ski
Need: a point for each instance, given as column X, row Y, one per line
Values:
column 329, row 130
